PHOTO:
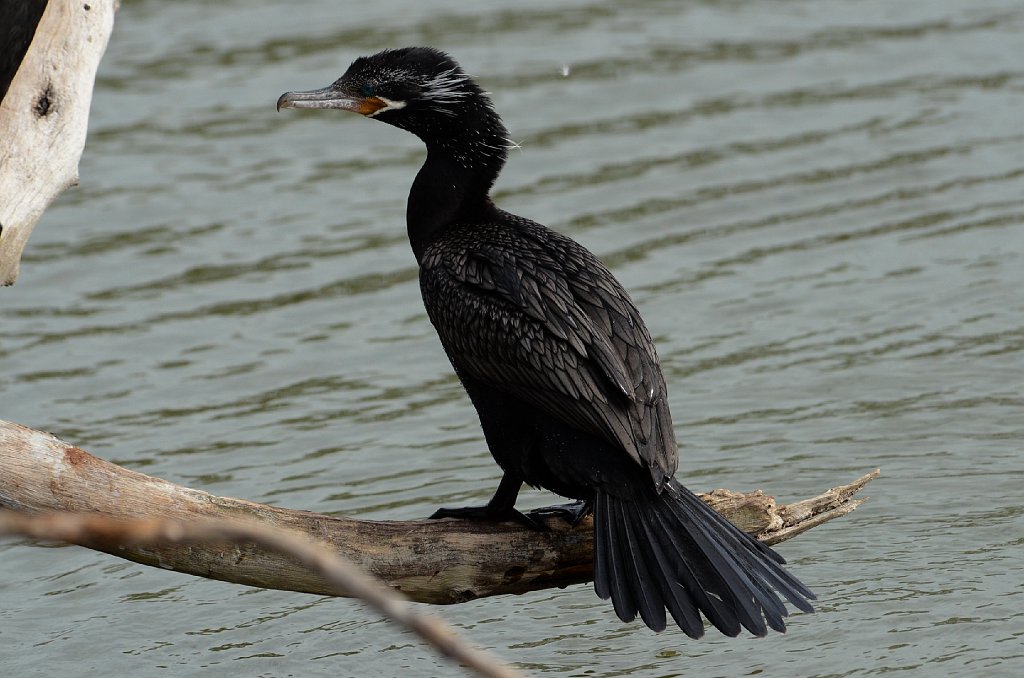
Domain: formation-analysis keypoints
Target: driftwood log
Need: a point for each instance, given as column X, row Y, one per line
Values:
column 432, row 561
column 49, row 52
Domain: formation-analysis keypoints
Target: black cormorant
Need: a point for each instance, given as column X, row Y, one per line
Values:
column 558, row 362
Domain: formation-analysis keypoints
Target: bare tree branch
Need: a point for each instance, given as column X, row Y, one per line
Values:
column 432, row 561
column 44, row 113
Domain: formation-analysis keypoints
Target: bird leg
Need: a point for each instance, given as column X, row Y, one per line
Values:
column 501, row 507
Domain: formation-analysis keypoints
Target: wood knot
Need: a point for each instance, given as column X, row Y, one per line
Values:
column 514, row 574
column 44, row 104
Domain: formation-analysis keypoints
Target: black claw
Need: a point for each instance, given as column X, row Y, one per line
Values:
column 464, row 513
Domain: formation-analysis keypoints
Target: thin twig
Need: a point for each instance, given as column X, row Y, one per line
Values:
column 92, row 530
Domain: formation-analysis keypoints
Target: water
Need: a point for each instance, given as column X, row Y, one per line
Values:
column 818, row 206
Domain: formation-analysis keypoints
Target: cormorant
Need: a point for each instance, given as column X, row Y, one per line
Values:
column 558, row 363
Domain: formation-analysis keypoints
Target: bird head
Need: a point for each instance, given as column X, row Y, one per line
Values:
column 415, row 88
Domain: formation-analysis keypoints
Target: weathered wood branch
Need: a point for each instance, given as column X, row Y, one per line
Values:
column 44, row 112
column 442, row 561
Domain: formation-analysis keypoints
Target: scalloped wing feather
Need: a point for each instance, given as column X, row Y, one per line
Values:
column 541, row 318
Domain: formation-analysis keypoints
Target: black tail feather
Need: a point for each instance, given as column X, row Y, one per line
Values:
column 646, row 589
column 697, row 577
column 677, row 599
column 675, row 552
column 619, row 576
column 789, row 586
column 737, row 586
column 602, row 577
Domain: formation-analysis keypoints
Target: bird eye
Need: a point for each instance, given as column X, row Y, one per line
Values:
column 366, row 90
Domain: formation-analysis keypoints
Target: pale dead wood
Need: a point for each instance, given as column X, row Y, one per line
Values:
column 432, row 561
column 106, row 533
column 44, row 115
column 803, row 515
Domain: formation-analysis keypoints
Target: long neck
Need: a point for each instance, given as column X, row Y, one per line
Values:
column 454, row 182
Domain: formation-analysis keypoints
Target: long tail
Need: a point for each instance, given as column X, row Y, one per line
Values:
column 675, row 552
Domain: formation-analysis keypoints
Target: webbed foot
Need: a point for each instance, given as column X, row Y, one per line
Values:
column 490, row 514
column 570, row 513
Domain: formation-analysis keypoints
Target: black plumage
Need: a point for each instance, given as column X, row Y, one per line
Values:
column 558, row 363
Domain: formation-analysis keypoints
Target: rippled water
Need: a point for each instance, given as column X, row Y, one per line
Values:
column 819, row 208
